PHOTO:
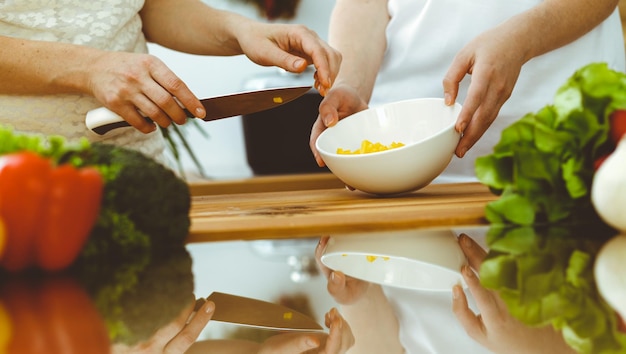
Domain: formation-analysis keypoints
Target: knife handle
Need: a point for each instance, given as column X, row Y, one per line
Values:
column 105, row 122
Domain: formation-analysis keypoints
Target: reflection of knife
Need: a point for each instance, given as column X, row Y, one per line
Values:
column 256, row 313
column 102, row 121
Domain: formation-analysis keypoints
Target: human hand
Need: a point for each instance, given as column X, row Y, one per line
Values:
column 291, row 47
column 495, row 328
column 344, row 289
column 177, row 336
column 130, row 83
column 337, row 341
column 494, row 63
column 339, row 102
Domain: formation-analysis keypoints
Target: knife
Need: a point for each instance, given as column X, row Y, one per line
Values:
column 103, row 121
column 257, row 313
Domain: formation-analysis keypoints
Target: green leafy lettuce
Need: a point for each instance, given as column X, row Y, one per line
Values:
column 544, row 274
column 542, row 167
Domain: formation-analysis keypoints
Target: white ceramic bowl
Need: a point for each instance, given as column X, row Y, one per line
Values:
column 428, row 259
column 426, row 128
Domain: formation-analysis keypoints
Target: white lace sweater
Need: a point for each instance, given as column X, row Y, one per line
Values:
column 105, row 24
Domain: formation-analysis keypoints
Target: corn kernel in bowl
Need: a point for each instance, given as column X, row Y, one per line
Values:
column 368, row 147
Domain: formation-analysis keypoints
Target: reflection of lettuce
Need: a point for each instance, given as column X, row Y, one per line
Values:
column 137, row 296
column 545, row 276
column 542, row 167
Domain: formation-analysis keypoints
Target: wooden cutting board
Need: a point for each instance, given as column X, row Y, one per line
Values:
column 318, row 204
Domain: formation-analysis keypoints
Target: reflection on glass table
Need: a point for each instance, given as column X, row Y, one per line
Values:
column 537, row 295
column 536, row 278
column 545, row 275
column 142, row 304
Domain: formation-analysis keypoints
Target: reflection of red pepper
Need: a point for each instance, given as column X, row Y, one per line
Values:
column 48, row 211
column 52, row 316
column 618, row 125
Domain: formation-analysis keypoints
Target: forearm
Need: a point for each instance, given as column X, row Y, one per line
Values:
column 373, row 323
column 38, row 67
column 191, row 26
column 362, row 49
column 555, row 23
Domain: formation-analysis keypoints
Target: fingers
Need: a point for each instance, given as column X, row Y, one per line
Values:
column 293, row 47
column 316, row 130
column 451, row 81
column 472, row 250
column 337, row 284
column 137, row 86
column 169, row 90
column 319, row 250
column 190, row 332
column 340, row 338
column 325, row 59
column 340, row 102
column 472, row 323
column 343, row 289
column 474, row 121
column 475, row 255
column 290, row 343
column 487, row 301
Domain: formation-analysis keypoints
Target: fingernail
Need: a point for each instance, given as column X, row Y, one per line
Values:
column 310, row 342
column 327, row 119
column 298, row 63
column 468, row 271
column 447, row 99
column 462, row 127
column 456, row 292
column 463, row 152
column 466, row 241
column 209, row 307
column 334, row 278
column 200, row 113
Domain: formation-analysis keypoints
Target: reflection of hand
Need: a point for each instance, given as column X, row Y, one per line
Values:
column 337, row 341
column 340, row 102
column 344, row 289
column 495, row 62
column 494, row 327
column 291, row 47
column 128, row 82
column 177, row 336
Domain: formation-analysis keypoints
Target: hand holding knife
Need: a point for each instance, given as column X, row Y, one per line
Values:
column 104, row 122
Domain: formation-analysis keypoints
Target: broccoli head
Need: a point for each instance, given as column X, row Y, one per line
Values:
column 145, row 204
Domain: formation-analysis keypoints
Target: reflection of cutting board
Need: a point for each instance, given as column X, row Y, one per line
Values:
column 317, row 204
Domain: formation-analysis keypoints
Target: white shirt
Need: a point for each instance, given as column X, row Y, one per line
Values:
column 105, row 24
column 423, row 36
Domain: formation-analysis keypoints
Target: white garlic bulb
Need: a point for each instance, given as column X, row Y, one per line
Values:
column 608, row 190
column 609, row 275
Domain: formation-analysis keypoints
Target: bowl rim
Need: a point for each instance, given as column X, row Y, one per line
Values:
column 439, row 267
column 379, row 153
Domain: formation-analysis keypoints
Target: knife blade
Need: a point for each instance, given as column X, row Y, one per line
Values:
column 250, row 312
column 103, row 121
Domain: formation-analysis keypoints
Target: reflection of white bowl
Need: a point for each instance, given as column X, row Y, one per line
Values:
column 413, row 259
column 426, row 128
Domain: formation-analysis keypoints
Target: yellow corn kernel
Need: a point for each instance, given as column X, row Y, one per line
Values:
column 278, row 99
column 369, row 147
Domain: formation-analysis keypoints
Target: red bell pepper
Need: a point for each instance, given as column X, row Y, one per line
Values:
column 52, row 315
column 617, row 121
column 48, row 211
